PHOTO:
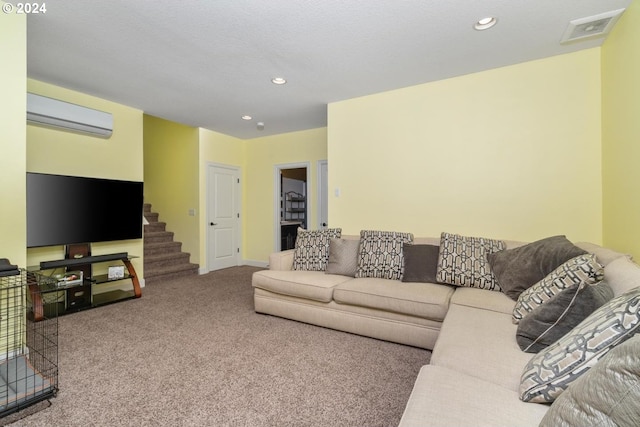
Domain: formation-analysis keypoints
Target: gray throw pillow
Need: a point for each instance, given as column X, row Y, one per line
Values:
column 608, row 395
column 343, row 257
column 519, row 268
column 555, row 318
column 420, row 263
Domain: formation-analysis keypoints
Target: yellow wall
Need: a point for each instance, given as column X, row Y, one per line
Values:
column 217, row 148
column 263, row 154
column 621, row 133
column 13, row 107
column 510, row 153
column 171, row 178
column 60, row 152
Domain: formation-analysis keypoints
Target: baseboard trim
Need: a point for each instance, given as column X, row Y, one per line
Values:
column 249, row 262
column 254, row 263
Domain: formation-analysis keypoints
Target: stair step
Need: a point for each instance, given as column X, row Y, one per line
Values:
column 151, row 217
column 162, row 248
column 168, row 273
column 167, row 260
column 163, row 257
column 155, row 226
column 146, row 207
column 158, row 237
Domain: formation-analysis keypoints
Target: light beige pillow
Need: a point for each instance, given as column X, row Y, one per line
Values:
column 343, row 257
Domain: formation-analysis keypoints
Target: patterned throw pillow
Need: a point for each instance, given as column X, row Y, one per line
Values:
column 583, row 268
column 463, row 261
column 551, row 371
column 607, row 395
column 380, row 254
column 311, row 252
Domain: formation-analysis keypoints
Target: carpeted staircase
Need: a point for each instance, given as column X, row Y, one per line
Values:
column 163, row 258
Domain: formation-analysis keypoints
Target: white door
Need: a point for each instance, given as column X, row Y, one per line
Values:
column 323, row 199
column 223, row 223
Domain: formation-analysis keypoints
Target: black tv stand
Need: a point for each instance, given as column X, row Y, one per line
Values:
column 79, row 295
column 91, row 259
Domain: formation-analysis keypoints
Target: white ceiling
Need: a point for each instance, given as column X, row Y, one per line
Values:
column 205, row 63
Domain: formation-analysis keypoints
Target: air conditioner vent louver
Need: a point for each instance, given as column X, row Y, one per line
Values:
column 591, row 26
column 58, row 114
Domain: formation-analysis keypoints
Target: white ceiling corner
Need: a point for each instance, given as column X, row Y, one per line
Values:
column 207, row 63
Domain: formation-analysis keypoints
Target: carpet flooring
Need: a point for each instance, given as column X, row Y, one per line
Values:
column 194, row 353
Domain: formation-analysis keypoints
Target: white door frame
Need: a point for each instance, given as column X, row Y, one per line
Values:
column 276, row 197
column 319, row 184
column 208, row 248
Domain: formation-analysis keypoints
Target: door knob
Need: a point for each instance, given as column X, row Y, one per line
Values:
column 324, row 224
column 214, row 223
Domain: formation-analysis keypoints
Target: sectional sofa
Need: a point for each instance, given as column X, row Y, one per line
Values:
column 444, row 293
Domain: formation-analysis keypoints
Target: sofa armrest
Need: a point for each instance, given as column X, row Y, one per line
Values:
column 281, row 260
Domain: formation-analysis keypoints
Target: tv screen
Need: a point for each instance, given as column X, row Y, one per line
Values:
column 64, row 210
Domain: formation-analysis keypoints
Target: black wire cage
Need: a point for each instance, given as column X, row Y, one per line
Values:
column 28, row 345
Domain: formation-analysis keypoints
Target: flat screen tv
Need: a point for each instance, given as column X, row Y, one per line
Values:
column 64, row 210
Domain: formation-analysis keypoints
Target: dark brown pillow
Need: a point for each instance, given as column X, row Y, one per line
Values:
column 518, row 269
column 552, row 320
column 420, row 263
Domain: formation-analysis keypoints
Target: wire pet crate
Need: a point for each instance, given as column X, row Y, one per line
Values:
column 28, row 348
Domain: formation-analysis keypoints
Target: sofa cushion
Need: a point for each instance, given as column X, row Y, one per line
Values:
column 603, row 255
column 556, row 317
column 312, row 248
column 447, row 397
column 607, row 395
column 552, row 370
column 583, row 268
column 420, row 263
column 314, row 285
column 519, row 268
column 343, row 257
column 479, row 298
column 481, row 343
column 463, row 261
column 622, row 274
column 380, row 254
column 426, row 300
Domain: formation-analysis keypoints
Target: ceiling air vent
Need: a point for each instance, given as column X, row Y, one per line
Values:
column 591, row 26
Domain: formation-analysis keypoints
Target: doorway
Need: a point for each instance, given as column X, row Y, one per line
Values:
column 291, row 203
column 323, row 195
column 223, row 217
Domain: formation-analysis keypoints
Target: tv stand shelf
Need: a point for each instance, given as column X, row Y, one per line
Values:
column 79, row 295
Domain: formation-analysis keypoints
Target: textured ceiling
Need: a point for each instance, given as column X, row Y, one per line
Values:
column 205, row 63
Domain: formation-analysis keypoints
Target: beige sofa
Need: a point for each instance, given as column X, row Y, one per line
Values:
column 475, row 370
column 406, row 313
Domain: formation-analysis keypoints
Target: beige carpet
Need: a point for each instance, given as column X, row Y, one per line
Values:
column 194, row 353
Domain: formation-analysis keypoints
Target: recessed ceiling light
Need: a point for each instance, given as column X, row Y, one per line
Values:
column 246, row 117
column 485, row 23
column 278, row 81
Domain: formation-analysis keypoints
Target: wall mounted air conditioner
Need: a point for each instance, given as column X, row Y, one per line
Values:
column 58, row 114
